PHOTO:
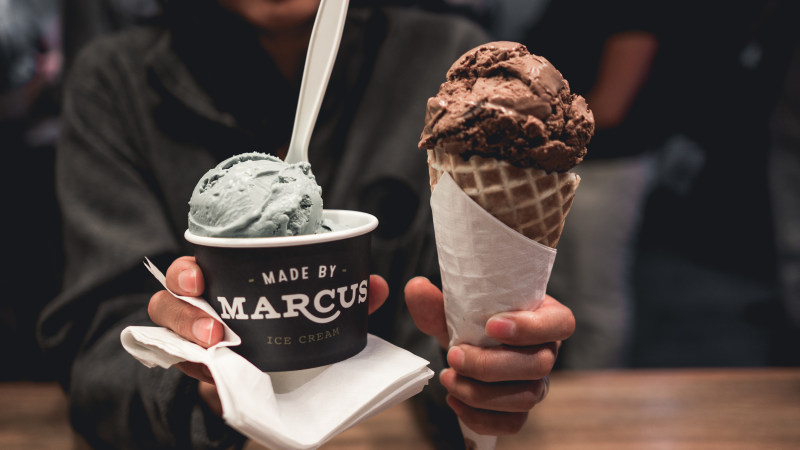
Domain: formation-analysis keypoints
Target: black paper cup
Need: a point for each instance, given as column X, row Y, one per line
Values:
column 297, row 301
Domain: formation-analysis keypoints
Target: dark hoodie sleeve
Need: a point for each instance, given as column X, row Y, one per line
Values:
column 112, row 217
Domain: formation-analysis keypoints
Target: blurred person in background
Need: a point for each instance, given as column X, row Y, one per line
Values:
column 785, row 189
column 708, row 268
column 608, row 59
column 147, row 111
column 669, row 256
column 30, row 73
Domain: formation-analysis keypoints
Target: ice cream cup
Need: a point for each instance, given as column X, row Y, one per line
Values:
column 297, row 301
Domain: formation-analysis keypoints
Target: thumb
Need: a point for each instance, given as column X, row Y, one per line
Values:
column 426, row 306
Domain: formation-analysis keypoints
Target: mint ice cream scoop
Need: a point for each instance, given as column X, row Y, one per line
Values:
column 256, row 195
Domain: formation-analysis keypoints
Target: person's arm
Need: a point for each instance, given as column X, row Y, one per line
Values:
column 624, row 67
column 113, row 217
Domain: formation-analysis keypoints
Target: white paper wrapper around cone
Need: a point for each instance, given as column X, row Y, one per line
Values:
column 282, row 410
column 486, row 267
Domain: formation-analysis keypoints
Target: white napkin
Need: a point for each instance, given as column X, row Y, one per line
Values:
column 487, row 268
column 290, row 410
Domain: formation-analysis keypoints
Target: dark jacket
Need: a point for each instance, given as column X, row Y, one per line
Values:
column 146, row 112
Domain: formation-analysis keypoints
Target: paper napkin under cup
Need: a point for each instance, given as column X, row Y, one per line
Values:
column 486, row 267
column 300, row 409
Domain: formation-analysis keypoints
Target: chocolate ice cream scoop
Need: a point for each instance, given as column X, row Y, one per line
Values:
column 500, row 101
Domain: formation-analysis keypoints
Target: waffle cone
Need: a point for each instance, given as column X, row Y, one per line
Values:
column 529, row 200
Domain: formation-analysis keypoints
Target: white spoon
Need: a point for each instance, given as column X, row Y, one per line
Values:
column 322, row 49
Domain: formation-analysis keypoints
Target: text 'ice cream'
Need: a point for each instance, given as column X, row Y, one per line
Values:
column 256, row 195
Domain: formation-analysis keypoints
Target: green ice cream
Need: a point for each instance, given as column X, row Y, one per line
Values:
column 256, row 195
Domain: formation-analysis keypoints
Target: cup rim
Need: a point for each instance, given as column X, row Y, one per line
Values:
column 365, row 223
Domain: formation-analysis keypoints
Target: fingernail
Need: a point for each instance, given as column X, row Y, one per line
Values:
column 443, row 371
column 455, row 357
column 187, row 280
column 501, row 327
column 442, row 379
column 201, row 328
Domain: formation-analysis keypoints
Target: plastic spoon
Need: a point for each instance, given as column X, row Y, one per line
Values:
column 322, row 49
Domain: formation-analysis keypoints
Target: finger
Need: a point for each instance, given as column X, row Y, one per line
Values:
column 426, row 306
column 551, row 322
column 503, row 363
column 186, row 320
column 512, row 396
column 195, row 370
column 378, row 292
column 490, row 423
column 184, row 277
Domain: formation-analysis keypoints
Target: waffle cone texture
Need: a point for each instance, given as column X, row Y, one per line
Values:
column 531, row 201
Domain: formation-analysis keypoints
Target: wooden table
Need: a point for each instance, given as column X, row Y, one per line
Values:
column 653, row 409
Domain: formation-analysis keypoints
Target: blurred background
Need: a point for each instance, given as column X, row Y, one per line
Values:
column 683, row 246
